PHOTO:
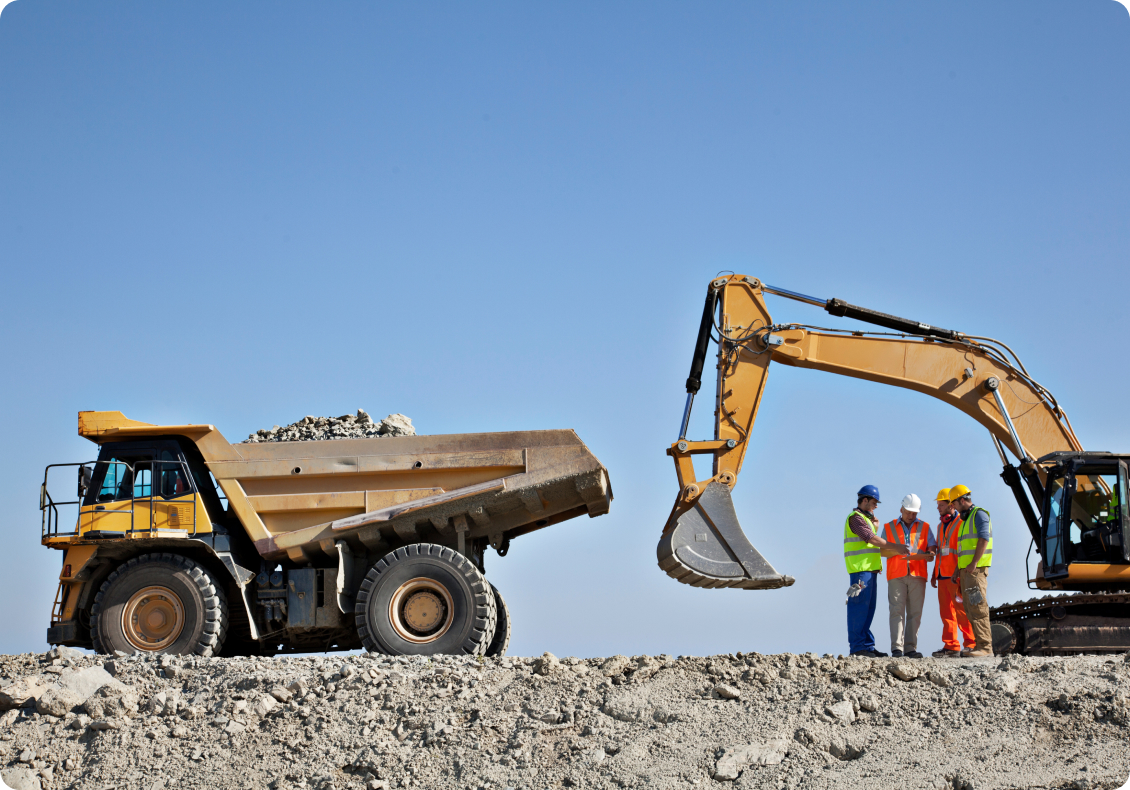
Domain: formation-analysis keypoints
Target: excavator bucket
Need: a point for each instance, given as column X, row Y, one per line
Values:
column 704, row 546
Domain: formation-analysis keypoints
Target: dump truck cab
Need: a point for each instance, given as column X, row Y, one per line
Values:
column 147, row 486
column 183, row 543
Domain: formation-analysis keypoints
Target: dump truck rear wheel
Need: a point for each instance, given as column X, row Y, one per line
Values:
column 501, row 640
column 425, row 599
column 159, row 603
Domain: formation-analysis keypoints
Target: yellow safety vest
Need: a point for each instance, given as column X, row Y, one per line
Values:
column 859, row 555
column 967, row 541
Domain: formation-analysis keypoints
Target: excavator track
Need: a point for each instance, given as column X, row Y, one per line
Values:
column 1066, row 624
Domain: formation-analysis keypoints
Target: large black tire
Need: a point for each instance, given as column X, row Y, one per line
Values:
column 174, row 606
column 425, row 599
column 501, row 641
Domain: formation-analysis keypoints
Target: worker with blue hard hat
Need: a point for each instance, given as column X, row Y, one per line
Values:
column 864, row 562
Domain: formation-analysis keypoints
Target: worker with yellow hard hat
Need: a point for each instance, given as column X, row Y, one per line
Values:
column 974, row 556
column 950, row 606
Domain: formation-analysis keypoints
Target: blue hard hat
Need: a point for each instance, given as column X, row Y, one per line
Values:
column 870, row 491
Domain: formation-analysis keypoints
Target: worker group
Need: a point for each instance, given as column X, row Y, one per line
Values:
column 961, row 552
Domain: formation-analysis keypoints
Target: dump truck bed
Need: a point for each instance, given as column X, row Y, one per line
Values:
column 380, row 493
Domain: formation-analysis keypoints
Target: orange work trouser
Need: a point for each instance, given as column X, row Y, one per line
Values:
column 953, row 616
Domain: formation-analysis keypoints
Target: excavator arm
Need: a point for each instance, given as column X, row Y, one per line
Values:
column 703, row 544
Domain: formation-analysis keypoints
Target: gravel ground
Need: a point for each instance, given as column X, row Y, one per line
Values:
column 349, row 426
column 743, row 721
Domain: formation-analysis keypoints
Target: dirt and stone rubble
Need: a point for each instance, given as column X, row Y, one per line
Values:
column 72, row 720
column 348, row 426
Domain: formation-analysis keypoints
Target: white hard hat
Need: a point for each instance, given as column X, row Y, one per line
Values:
column 912, row 503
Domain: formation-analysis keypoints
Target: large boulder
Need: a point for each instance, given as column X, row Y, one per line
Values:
column 546, row 664
column 735, row 759
column 110, row 702
column 615, row 666
column 21, row 778
column 86, row 682
column 58, row 702
column 22, row 694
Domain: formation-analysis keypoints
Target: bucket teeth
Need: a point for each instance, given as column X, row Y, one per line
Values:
column 707, row 548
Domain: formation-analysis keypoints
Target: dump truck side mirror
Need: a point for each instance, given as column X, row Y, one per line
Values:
column 83, row 480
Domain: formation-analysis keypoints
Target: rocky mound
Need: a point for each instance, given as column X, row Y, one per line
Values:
column 371, row 721
column 349, row 426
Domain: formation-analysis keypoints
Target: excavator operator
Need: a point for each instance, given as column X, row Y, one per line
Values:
column 974, row 556
column 862, row 549
column 945, row 580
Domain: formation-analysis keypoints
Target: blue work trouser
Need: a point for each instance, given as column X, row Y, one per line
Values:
column 861, row 611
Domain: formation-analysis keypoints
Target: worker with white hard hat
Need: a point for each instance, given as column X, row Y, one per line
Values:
column 907, row 575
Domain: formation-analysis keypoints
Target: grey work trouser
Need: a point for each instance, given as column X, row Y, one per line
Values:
column 905, row 596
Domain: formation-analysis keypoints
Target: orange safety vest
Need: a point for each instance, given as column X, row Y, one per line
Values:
column 897, row 567
column 947, row 544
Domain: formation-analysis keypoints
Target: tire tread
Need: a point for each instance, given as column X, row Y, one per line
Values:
column 485, row 617
column 215, row 601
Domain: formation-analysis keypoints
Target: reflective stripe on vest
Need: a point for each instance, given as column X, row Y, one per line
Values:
column 859, row 555
column 897, row 567
column 967, row 542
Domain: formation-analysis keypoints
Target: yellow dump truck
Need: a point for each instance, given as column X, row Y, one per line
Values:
column 184, row 543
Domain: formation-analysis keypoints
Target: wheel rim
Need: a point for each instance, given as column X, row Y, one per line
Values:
column 153, row 618
column 421, row 610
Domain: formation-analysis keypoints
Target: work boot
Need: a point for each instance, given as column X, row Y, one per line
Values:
column 896, row 653
column 965, row 651
column 980, row 653
column 913, row 654
column 943, row 653
column 879, row 654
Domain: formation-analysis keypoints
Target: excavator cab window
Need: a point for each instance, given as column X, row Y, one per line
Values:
column 1085, row 517
column 1123, row 507
column 1055, row 544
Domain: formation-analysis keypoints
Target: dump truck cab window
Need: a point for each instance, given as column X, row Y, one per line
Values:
column 121, row 476
column 132, row 470
column 174, row 482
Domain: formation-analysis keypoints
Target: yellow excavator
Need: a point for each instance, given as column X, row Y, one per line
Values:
column 1073, row 502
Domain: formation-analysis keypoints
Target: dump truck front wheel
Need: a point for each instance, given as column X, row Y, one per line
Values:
column 159, row 603
column 425, row 599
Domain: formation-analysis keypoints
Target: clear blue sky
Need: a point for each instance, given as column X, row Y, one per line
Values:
column 504, row 216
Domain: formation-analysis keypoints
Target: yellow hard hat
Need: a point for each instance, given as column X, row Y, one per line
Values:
column 957, row 492
column 943, row 495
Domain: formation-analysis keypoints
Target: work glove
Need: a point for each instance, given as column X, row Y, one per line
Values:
column 854, row 590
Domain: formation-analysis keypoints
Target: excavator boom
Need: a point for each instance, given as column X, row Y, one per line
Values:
column 703, row 543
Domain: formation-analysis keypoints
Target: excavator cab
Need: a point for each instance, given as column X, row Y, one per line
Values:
column 1085, row 514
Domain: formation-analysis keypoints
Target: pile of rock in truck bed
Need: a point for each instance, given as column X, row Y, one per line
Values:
column 349, row 426
column 743, row 721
